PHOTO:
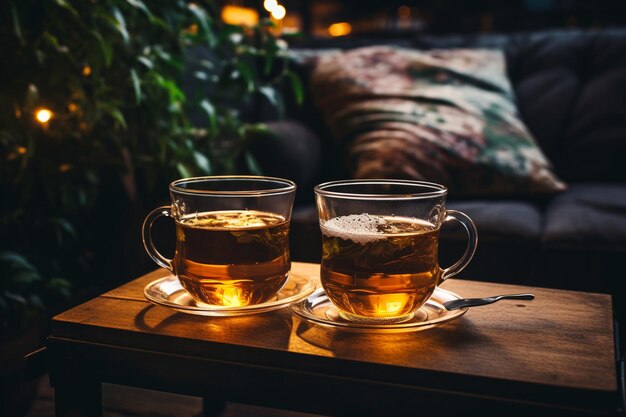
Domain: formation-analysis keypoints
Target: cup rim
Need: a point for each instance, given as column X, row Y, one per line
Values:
column 438, row 190
column 289, row 186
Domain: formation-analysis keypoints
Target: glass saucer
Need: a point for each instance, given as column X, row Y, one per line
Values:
column 317, row 308
column 168, row 292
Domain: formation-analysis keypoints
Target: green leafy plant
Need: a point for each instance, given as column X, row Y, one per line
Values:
column 138, row 93
column 25, row 294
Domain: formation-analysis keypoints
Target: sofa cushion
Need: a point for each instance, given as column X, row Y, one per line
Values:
column 584, row 241
column 497, row 221
column 570, row 89
column 443, row 116
column 509, row 234
column 588, row 216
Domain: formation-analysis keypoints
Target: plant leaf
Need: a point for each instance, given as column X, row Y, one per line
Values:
column 270, row 54
column 136, row 85
column 146, row 61
column 120, row 24
column 63, row 292
column 297, row 87
column 17, row 27
column 184, row 170
column 115, row 113
column 32, row 96
column 35, row 301
column 175, row 93
column 65, row 226
column 246, row 73
column 274, row 99
column 16, row 261
column 59, row 283
column 252, row 164
column 105, row 48
column 15, row 297
column 25, row 277
column 60, row 287
column 141, row 6
column 201, row 75
column 209, row 109
column 65, row 5
column 204, row 20
column 202, row 162
column 258, row 128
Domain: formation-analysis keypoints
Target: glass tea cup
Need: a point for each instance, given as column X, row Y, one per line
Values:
column 232, row 237
column 380, row 246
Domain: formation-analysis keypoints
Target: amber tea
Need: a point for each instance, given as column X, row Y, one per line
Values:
column 232, row 258
column 379, row 266
column 379, row 269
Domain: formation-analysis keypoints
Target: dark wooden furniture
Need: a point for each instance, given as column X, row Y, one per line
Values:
column 554, row 355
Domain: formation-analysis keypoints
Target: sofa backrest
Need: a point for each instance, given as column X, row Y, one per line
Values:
column 571, row 92
column 570, row 88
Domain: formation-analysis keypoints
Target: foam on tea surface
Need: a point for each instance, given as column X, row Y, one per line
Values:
column 364, row 228
column 359, row 228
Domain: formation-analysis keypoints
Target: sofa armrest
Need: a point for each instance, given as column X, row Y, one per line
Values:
column 290, row 151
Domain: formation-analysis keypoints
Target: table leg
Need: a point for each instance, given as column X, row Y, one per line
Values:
column 78, row 397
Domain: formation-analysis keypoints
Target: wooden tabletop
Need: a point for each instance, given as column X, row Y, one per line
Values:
column 558, row 347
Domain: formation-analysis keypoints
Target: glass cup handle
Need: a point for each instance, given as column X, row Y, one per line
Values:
column 146, row 234
column 472, row 236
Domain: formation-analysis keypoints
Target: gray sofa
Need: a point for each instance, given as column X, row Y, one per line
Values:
column 571, row 93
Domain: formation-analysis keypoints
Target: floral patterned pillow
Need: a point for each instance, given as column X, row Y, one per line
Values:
column 446, row 116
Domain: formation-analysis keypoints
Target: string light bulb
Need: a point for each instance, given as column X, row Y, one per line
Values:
column 279, row 12
column 270, row 5
column 43, row 115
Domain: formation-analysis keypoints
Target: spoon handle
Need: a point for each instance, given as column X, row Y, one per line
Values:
column 474, row 302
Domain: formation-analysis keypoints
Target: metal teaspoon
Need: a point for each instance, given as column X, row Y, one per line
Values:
column 473, row 302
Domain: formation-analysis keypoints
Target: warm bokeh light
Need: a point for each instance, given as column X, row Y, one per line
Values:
column 86, row 70
column 404, row 12
column 65, row 167
column 19, row 150
column 240, row 16
column 339, row 29
column 270, row 5
column 192, row 29
column 279, row 12
column 43, row 115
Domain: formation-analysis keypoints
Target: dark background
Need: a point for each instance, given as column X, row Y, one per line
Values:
column 390, row 17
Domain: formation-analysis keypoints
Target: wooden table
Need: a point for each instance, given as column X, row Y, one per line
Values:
column 554, row 355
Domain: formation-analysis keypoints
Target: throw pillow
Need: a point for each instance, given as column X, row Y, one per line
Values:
column 446, row 116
